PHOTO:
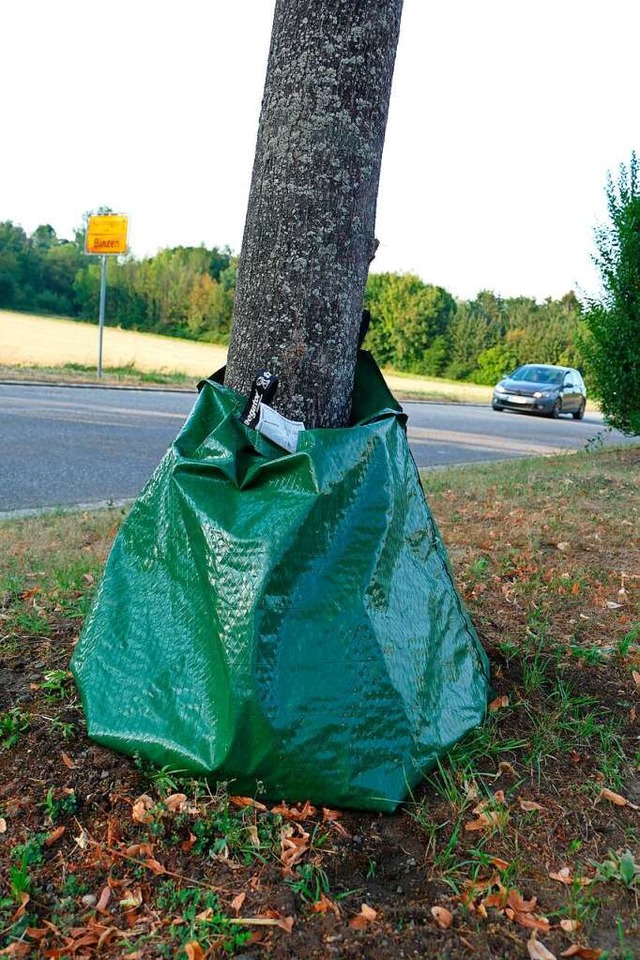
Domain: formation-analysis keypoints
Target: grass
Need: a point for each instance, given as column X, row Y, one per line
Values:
column 529, row 823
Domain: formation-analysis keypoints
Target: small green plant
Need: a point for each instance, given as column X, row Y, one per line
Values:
column 309, row 882
column 620, row 866
column 23, row 856
column 12, row 723
column 57, row 684
column 60, row 807
column 197, row 915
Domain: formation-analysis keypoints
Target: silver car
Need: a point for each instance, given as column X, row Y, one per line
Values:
column 542, row 388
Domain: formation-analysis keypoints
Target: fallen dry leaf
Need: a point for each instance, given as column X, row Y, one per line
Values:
column 481, row 823
column 487, row 819
column 529, row 805
column 366, row 916
column 516, row 902
column 155, row 866
column 236, row 903
column 636, row 677
column 569, row 926
column 538, row 951
column 175, row 802
column 505, row 767
column 16, row 949
column 562, row 876
column 68, row 762
column 54, row 835
column 193, row 950
column 498, row 704
column 528, row 920
column 499, row 863
column 616, row 798
column 140, row 809
column 292, row 849
column 105, row 896
column 443, row 917
column 295, row 813
column 3, row 825
column 247, row 802
column 324, row 904
column 585, row 953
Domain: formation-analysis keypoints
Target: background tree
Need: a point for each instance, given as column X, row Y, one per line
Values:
column 309, row 232
column 612, row 341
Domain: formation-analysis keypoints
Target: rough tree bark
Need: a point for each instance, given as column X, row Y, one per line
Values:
column 309, row 232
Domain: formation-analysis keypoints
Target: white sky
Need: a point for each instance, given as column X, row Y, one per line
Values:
column 505, row 117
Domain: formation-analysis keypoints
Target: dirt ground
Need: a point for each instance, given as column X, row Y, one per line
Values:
column 523, row 843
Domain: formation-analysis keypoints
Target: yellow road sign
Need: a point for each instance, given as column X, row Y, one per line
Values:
column 106, row 234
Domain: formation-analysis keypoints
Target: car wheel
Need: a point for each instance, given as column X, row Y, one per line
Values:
column 497, row 408
column 556, row 410
column 579, row 414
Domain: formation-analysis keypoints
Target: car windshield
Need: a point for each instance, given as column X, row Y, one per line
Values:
column 538, row 374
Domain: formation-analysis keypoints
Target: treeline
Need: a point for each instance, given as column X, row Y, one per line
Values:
column 189, row 292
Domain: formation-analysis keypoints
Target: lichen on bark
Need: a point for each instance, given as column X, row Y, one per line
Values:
column 309, row 231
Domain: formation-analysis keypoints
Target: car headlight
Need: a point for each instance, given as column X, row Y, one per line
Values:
column 499, row 389
column 544, row 393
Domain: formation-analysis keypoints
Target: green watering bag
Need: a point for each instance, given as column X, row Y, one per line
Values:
column 284, row 618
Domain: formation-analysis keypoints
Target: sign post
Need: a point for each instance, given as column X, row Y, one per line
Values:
column 107, row 236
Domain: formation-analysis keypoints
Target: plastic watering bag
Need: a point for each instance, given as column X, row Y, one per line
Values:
column 284, row 618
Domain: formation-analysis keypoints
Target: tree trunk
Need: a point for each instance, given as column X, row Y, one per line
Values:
column 309, row 232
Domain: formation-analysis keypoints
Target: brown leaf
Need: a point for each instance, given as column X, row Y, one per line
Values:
column 569, row 926
column 24, row 900
column 16, row 949
column 328, row 814
column 193, row 950
column 68, row 762
column 480, row 824
column 616, row 798
column 443, row 917
column 528, row 920
column 529, row 805
column 585, row 953
column 295, row 813
column 498, row 704
column 105, row 896
column 324, row 904
column 366, row 916
column 499, row 863
column 562, row 876
column 247, row 802
column 636, row 677
column 3, row 825
column 186, row 845
column 141, row 807
column 54, row 835
column 505, row 767
column 538, row 951
column 175, row 802
column 516, row 902
column 293, row 848
column 238, row 900
column 155, row 866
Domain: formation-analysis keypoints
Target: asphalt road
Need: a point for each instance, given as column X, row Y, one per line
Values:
column 71, row 445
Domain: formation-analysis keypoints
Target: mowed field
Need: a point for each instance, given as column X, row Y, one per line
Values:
column 30, row 341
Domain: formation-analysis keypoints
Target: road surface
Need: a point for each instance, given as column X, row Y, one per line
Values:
column 72, row 445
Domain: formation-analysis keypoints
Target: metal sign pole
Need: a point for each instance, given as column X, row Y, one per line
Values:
column 103, row 294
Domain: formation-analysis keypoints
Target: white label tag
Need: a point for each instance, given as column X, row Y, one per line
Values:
column 282, row 431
